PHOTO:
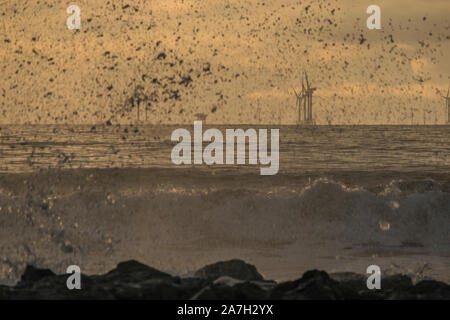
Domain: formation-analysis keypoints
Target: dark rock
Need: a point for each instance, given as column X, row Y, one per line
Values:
column 424, row 290
column 233, row 279
column 147, row 284
column 5, row 293
column 227, row 288
column 358, row 283
column 236, row 269
column 395, row 283
column 347, row 276
column 353, row 282
column 150, row 289
column 32, row 275
column 133, row 272
column 314, row 285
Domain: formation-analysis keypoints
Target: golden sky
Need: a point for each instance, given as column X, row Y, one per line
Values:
column 236, row 61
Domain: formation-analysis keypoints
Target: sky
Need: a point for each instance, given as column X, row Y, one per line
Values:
column 236, row 62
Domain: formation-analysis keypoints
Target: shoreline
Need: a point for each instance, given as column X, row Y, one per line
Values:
column 180, row 219
column 232, row 279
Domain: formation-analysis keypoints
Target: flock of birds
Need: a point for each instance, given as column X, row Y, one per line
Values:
column 172, row 61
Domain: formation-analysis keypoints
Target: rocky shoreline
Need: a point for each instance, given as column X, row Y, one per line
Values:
column 232, row 279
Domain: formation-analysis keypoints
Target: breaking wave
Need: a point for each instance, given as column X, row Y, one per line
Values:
column 94, row 222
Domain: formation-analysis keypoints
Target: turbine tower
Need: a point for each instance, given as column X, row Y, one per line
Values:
column 447, row 101
column 299, row 105
column 309, row 93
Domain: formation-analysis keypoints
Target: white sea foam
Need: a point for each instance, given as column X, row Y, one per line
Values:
column 100, row 224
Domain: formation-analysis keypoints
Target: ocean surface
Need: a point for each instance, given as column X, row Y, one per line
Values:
column 302, row 149
column 345, row 197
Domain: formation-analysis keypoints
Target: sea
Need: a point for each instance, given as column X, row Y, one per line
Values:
column 345, row 198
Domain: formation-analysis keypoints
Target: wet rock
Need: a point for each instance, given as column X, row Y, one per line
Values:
column 236, row 269
column 233, row 279
column 32, row 275
column 314, row 285
column 154, row 289
column 133, row 272
column 226, row 288
column 358, row 284
column 424, row 290
column 355, row 283
column 347, row 276
column 134, row 280
column 392, row 283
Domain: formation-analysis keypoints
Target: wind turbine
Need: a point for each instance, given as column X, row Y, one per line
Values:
column 309, row 93
column 304, row 95
column 299, row 104
column 447, row 100
column 304, row 101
